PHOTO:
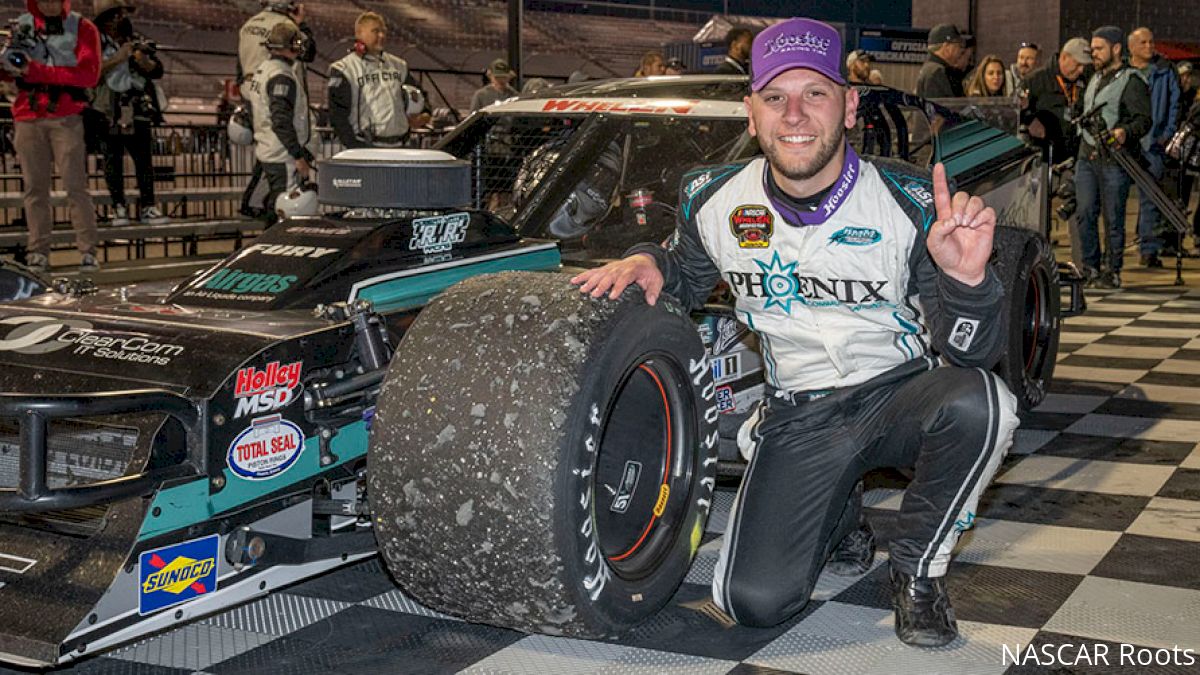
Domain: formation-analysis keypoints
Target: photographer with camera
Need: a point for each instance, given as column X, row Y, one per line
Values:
column 54, row 56
column 126, row 97
column 373, row 98
column 282, row 127
column 251, row 54
column 1123, row 100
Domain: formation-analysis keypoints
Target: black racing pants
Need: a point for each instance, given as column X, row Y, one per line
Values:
column 138, row 144
column 278, row 176
column 952, row 425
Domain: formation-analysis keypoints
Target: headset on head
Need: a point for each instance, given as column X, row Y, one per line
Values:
column 297, row 43
column 281, row 6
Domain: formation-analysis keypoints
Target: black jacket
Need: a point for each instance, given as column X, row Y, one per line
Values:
column 939, row 79
column 1054, row 101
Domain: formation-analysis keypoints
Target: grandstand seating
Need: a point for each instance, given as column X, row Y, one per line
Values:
column 447, row 35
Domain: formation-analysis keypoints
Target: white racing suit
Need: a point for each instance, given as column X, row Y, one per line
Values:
column 856, row 325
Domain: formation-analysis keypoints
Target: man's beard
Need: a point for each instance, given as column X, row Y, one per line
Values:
column 799, row 170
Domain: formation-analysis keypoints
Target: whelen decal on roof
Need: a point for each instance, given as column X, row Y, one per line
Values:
column 628, row 106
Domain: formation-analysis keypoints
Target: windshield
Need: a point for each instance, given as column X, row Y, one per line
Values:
column 599, row 184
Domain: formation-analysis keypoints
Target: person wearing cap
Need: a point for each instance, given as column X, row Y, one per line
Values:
column 941, row 75
column 373, row 97
column 737, row 52
column 1160, row 77
column 858, row 67
column 283, row 130
column 1100, row 183
column 1053, row 96
column 861, row 277
column 127, row 99
column 252, row 54
column 1022, row 68
column 675, row 66
column 498, row 88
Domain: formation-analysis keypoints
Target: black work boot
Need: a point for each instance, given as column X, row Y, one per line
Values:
column 924, row 617
column 854, row 554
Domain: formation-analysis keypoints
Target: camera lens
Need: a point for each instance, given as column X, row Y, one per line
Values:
column 18, row 59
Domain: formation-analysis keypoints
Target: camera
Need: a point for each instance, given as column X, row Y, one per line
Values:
column 147, row 47
column 19, row 41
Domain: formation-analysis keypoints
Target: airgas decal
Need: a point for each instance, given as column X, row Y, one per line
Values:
column 855, row 236
column 265, row 449
column 177, row 573
column 752, row 225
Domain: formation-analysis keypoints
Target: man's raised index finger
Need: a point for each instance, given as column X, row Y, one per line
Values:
column 941, row 193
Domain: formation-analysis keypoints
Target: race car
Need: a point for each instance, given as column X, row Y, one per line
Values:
column 412, row 374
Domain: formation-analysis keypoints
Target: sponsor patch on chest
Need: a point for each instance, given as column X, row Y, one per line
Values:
column 752, row 225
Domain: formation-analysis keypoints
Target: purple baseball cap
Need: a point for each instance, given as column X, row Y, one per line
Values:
column 795, row 43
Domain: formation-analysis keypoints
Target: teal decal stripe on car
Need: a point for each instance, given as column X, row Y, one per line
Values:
column 190, row 503
column 963, row 163
column 416, row 290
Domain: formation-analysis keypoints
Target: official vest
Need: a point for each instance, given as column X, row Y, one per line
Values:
column 378, row 108
column 267, row 147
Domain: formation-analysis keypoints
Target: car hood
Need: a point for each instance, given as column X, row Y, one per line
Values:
column 119, row 336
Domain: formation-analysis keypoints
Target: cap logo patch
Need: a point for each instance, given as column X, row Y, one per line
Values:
column 792, row 43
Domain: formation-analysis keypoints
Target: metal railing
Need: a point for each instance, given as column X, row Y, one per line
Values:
column 192, row 163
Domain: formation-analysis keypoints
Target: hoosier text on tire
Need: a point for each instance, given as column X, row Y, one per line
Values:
column 542, row 460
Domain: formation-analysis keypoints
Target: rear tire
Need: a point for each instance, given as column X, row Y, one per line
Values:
column 541, row 460
column 1025, row 263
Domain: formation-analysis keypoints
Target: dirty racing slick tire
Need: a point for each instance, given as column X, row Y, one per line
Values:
column 1025, row 263
column 541, row 460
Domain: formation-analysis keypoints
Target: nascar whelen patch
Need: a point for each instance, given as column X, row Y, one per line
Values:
column 752, row 225
column 175, row 574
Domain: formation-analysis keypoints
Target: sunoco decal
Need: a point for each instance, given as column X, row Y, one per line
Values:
column 439, row 233
column 753, row 225
column 267, row 390
column 176, row 574
column 44, row 334
column 267, row 448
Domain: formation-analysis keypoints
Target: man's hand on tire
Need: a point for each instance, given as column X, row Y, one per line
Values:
column 960, row 241
column 614, row 277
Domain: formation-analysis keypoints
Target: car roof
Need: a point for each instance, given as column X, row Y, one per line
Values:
column 671, row 95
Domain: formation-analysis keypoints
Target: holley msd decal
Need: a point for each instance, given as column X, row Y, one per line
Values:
column 265, row 449
column 267, row 390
